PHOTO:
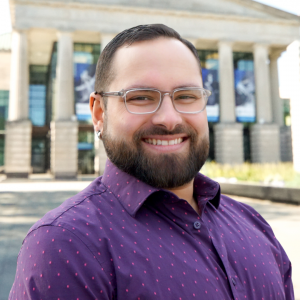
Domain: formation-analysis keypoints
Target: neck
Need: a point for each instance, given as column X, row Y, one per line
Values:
column 186, row 192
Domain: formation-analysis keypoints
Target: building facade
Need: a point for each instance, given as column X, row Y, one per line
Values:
column 50, row 65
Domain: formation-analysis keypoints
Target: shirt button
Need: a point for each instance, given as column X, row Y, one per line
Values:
column 233, row 281
column 197, row 225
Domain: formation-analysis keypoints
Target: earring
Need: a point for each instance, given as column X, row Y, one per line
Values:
column 99, row 134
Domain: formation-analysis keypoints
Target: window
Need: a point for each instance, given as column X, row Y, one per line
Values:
column 37, row 94
column 4, row 99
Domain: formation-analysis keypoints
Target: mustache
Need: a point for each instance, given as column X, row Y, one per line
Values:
column 163, row 131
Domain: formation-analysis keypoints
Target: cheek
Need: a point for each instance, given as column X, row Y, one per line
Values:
column 199, row 123
column 124, row 124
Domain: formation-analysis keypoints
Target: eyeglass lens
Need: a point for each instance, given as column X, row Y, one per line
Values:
column 146, row 101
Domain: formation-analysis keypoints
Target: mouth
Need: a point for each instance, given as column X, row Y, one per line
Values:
column 163, row 142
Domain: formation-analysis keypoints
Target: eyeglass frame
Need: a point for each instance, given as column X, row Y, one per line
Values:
column 122, row 93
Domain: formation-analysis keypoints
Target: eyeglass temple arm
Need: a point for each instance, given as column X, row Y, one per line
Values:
column 121, row 93
column 208, row 92
column 118, row 94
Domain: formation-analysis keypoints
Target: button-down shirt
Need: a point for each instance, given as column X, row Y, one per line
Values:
column 123, row 239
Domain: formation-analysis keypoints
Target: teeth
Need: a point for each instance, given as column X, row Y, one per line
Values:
column 164, row 142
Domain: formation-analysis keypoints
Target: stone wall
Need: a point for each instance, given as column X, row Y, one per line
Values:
column 286, row 152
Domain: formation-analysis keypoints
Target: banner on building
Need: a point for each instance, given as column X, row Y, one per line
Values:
column 211, row 82
column 84, row 82
column 245, row 96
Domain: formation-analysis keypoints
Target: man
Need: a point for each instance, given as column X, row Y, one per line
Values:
column 151, row 227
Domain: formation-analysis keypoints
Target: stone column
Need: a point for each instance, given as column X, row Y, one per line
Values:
column 228, row 134
column 265, row 145
column 100, row 154
column 226, row 79
column 64, row 128
column 285, row 141
column 229, row 148
column 262, row 83
column 264, row 135
column 294, row 63
column 277, row 103
column 18, row 127
column 295, row 125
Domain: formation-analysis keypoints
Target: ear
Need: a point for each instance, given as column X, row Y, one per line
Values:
column 97, row 111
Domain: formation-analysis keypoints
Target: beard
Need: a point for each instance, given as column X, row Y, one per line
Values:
column 166, row 170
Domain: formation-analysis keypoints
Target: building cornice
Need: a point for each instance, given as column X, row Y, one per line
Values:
column 154, row 11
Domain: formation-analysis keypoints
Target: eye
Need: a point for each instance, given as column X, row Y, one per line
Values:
column 139, row 98
column 188, row 96
column 142, row 97
column 183, row 97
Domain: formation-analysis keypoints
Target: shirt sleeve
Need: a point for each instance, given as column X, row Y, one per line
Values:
column 287, row 276
column 284, row 262
column 55, row 264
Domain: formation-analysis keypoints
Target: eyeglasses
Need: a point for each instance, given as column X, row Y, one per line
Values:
column 190, row 100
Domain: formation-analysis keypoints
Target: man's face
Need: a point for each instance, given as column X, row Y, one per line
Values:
column 163, row 64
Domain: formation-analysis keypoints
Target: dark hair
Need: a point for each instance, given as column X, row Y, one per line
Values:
column 104, row 72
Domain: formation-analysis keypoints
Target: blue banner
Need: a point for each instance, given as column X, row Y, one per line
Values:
column 245, row 96
column 84, row 82
column 211, row 83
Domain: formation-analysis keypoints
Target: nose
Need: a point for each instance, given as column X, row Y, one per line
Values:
column 166, row 115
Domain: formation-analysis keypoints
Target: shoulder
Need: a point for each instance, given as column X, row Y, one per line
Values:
column 53, row 262
column 65, row 243
column 74, row 205
column 80, row 218
column 247, row 220
column 239, row 209
column 247, row 217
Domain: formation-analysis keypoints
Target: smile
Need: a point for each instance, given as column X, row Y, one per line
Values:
column 164, row 142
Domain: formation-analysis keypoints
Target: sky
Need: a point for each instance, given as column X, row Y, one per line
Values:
column 291, row 6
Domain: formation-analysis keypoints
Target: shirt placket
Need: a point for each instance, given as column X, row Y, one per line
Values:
column 199, row 228
column 235, row 283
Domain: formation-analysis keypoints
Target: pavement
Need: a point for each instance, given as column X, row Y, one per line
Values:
column 23, row 202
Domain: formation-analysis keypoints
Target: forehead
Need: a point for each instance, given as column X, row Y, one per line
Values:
column 155, row 61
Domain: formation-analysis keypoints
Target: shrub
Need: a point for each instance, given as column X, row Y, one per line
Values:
column 260, row 173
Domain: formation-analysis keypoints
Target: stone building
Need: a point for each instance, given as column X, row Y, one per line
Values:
column 48, row 71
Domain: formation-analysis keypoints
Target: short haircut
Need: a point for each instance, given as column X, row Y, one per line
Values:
column 104, row 70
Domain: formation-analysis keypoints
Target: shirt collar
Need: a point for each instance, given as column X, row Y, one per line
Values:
column 132, row 192
column 206, row 190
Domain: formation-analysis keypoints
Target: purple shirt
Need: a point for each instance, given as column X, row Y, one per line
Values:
column 123, row 239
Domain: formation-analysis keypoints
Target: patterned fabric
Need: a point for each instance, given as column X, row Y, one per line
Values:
column 123, row 239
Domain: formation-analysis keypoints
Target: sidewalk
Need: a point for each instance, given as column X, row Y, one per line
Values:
column 23, row 202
